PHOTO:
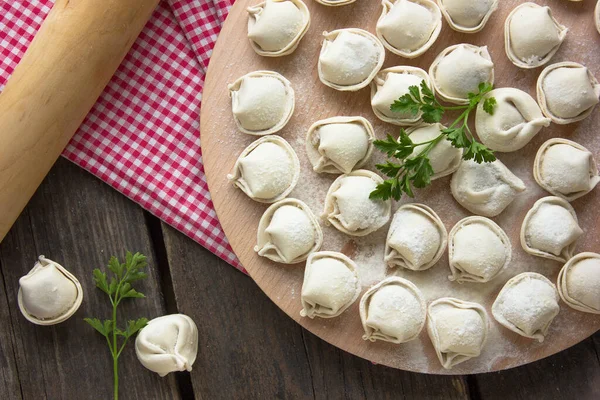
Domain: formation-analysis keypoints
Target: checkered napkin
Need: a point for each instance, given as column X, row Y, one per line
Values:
column 143, row 135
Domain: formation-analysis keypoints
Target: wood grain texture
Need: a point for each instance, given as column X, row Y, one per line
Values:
column 79, row 223
column 572, row 374
column 239, row 216
column 249, row 349
column 9, row 377
column 61, row 75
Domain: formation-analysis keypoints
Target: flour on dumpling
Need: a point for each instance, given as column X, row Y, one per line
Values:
column 331, row 284
column 565, row 168
column 267, row 170
column 567, row 92
column 339, row 144
column 394, row 311
column 262, row 102
column 275, row 27
column 349, row 59
column 409, row 27
column 527, row 304
column 550, row 229
column 348, row 206
column 417, row 238
column 485, row 189
column 288, row 232
column 532, row 35
column 516, row 120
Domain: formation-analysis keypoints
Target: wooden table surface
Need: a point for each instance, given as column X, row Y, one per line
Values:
column 248, row 348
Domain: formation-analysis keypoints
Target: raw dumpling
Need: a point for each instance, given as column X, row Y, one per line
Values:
column 550, row 229
column 168, row 344
column 444, row 158
column 532, row 35
column 335, row 3
column 288, row 232
column 565, row 168
column 49, row 294
column 389, row 85
column 597, row 16
column 458, row 330
column 458, row 71
column 330, row 285
column 516, row 120
column 262, row 102
column 579, row 283
column 267, row 170
column 393, row 311
column 567, row 92
column 409, row 27
column 478, row 250
column 348, row 206
column 349, row 59
column 339, row 144
column 485, row 189
column 417, row 238
column 468, row 16
column 275, row 27
column 527, row 304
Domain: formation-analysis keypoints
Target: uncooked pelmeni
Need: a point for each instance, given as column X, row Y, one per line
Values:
column 390, row 84
column 550, row 229
column 567, row 92
column 417, row 238
column 49, row 294
column 348, row 206
column 516, row 120
column 335, row 3
column 579, row 283
column 527, row 304
column 394, row 311
column 409, row 27
column 349, row 59
column 267, row 170
column 468, row 16
column 532, row 35
column 168, row 344
column 565, row 168
column 262, row 102
column 485, row 189
column 458, row 70
column 597, row 16
column 443, row 157
column 275, row 27
column 339, row 145
column 478, row 250
column 288, row 232
column 458, row 330
column 330, row 285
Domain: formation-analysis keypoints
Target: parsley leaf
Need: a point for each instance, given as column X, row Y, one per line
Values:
column 415, row 170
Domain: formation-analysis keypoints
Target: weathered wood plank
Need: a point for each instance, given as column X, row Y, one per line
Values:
column 9, row 378
column 80, row 222
column 340, row 375
column 571, row 374
column 248, row 347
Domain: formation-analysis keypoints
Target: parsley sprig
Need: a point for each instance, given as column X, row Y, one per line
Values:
column 119, row 288
column 414, row 169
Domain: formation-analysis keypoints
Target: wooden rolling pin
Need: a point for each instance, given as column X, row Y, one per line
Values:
column 63, row 72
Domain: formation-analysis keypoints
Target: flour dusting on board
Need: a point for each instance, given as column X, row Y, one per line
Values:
column 314, row 102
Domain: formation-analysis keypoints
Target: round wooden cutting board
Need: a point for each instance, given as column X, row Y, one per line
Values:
column 239, row 216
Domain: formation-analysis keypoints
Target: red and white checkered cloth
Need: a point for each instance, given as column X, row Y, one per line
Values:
column 143, row 135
